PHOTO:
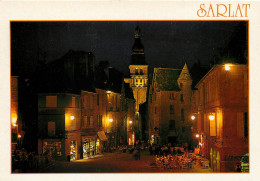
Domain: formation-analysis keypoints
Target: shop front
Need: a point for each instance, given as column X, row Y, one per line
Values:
column 89, row 146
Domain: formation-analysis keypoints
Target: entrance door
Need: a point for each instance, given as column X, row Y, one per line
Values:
column 73, row 150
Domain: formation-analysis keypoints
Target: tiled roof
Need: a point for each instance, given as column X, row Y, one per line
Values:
column 166, row 79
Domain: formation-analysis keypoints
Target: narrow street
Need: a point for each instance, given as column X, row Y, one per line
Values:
column 113, row 163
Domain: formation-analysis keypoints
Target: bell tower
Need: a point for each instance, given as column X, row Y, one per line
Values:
column 138, row 71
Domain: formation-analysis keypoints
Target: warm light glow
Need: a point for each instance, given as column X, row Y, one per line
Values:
column 19, row 135
column 200, row 144
column 197, row 135
column 111, row 120
column 14, row 119
column 227, row 67
column 108, row 91
column 192, row 117
column 130, row 122
column 72, row 117
column 211, row 117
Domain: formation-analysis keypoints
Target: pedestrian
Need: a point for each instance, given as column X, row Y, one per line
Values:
column 238, row 169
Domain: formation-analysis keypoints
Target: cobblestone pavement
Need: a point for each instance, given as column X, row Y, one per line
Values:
column 114, row 163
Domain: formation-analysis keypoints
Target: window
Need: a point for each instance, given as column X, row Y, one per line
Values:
column 141, row 71
column 91, row 121
column 88, row 121
column 141, row 80
column 98, row 99
column 172, row 125
column 171, row 97
column 51, row 101
column 182, row 115
column 245, row 124
column 171, row 109
column 85, row 121
column 51, row 128
column 73, row 102
column 99, row 120
column 182, row 98
column 242, row 124
column 212, row 126
column 136, row 70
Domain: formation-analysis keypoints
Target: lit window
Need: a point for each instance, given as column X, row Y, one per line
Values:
column 51, row 101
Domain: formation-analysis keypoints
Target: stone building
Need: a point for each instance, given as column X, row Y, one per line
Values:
column 59, row 124
column 220, row 107
column 169, row 106
column 88, row 118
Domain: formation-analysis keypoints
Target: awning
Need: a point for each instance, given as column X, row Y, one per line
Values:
column 102, row 135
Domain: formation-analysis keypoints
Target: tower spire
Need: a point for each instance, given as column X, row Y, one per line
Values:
column 138, row 57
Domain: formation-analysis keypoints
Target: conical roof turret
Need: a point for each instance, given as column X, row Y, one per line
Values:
column 185, row 74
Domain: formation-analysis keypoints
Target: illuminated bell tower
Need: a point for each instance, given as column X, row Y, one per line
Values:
column 138, row 71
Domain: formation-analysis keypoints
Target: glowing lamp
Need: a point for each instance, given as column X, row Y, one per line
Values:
column 200, row 144
column 19, row 135
column 211, row 117
column 197, row 135
column 227, row 67
column 111, row 120
column 130, row 122
column 193, row 117
column 109, row 92
column 72, row 117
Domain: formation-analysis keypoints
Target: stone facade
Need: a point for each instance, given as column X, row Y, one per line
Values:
column 220, row 105
column 83, row 124
column 169, row 106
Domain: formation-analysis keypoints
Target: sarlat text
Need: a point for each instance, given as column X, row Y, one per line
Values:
column 223, row 10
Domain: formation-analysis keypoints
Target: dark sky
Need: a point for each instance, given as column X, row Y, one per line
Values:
column 166, row 43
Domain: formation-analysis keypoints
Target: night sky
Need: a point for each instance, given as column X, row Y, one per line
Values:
column 166, row 43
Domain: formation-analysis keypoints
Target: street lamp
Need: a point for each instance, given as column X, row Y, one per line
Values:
column 197, row 135
column 110, row 120
column 211, row 117
column 193, row 117
column 227, row 67
column 130, row 122
column 72, row 117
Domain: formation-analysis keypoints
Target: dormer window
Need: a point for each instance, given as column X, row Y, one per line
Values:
column 136, row 70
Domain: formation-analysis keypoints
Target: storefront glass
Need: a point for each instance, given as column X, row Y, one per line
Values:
column 73, row 150
column 89, row 147
column 97, row 147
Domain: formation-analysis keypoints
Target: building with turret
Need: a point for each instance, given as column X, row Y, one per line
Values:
column 169, row 106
